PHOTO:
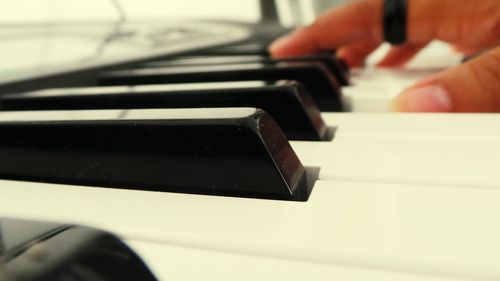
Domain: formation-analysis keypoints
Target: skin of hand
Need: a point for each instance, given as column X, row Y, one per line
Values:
column 355, row 30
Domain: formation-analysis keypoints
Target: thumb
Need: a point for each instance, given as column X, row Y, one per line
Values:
column 470, row 87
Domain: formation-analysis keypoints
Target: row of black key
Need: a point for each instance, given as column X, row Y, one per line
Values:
column 287, row 102
column 316, row 77
column 239, row 155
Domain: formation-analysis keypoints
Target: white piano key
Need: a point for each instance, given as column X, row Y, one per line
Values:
column 419, row 160
column 369, row 103
column 183, row 263
column 445, row 231
column 372, row 77
column 465, row 125
column 373, row 88
column 437, row 55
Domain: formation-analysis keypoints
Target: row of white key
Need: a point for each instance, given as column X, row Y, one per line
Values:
column 445, row 162
column 414, row 125
column 170, row 262
column 415, row 230
column 430, row 149
column 390, row 230
column 427, row 231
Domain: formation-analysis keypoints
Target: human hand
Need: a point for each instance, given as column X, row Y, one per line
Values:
column 355, row 30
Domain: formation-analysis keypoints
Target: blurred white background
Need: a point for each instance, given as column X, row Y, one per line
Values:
column 21, row 51
column 35, row 11
column 24, row 11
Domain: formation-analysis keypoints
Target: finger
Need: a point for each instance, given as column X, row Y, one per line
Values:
column 470, row 87
column 465, row 50
column 475, row 24
column 355, row 54
column 400, row 55
column 358, row 21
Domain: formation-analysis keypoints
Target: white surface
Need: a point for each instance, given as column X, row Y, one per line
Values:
column 420, row 160
column 441, row 231
column 414, row 125
column 183, row 263
column 29, row 11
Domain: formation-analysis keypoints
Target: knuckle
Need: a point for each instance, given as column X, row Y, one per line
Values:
column 485, row 72
column 490, row 65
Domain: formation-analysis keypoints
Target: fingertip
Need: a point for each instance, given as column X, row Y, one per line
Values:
column 401, row 55
column 391, row 64
column 299, row 42
column 278, row 47
column 351, row 60
column 355, row 54
column 388, row 64
column 342, row 26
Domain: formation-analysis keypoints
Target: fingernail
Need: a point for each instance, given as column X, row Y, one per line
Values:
column 429, row 98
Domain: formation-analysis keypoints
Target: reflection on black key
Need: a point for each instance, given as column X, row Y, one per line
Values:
column 39, row 251
column 315, row 77
column 286, row 102
column 246, row 48
column 334, row 65
column 222, row 151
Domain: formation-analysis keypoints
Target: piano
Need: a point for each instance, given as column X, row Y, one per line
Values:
column 388, row 196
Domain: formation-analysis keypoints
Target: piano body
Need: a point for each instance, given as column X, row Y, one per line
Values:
column 394, row 196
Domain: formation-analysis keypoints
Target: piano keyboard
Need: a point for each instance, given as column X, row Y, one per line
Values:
column 397, row 197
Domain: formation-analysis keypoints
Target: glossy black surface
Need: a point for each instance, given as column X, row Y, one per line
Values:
column 16, row 233
column 329, row 60
column 288, row 103
column 245, row 48
column 233, row 152
column 60, row 55
column 315, row 77
column 38, row 251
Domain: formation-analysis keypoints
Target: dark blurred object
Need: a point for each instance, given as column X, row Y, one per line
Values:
column 36, row 251
column 268, row 11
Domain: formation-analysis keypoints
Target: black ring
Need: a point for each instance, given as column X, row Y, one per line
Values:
column 395, row 13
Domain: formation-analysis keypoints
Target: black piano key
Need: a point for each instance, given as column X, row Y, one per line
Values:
column 328, row 59
column 343, row 65
column 39, row 251
column 222, row 151
column 335, row 65
column 315, row 77
column 286, row 102
column 246, row 48
column 197, row 60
